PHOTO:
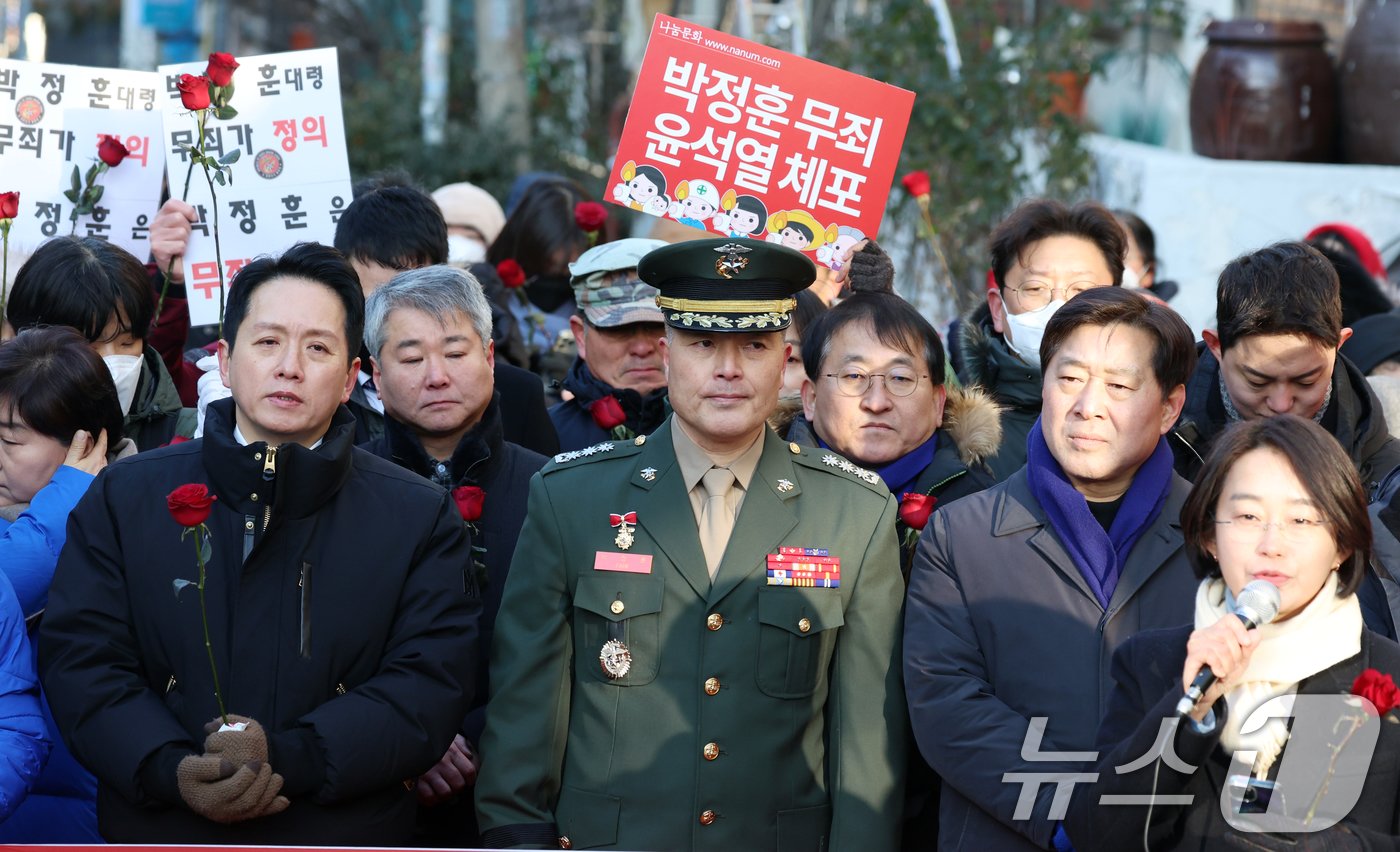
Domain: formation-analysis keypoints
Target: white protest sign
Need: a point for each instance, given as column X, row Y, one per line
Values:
column 292, row 177
column 50, row 116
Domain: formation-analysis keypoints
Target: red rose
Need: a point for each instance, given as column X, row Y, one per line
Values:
column 914, row 509
column 590, row 216
column 9, row 205
column 190, row 504
column 1377, row 688
column 111, row 151
column 194, row 91
column 469, row 501
column 511, row 274
column 220, row 69
column 917, row 183
column 607, row 412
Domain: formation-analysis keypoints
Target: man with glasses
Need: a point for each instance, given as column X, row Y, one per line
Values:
column 1019, row 596
column 1042, row 255
column 618, row 374
column 874, row 393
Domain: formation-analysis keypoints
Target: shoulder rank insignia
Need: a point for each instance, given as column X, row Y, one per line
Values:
column 604, row 447
column 838, row 462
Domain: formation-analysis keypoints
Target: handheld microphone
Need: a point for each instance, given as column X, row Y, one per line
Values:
column 1257, row 605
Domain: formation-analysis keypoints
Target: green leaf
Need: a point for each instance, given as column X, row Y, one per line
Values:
column 71, row 196
column 219, row 176
column 231, row 157
column 206, row 550
column 227, row 112
column 77, row 183
column 91, row 173
column 180, row 585
column 96, row 194
column 228, row 93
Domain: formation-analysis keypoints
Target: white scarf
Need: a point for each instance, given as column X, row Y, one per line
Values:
column 1322, row 634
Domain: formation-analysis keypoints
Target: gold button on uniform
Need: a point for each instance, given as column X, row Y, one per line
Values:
column 618, row 607
column 796, row 449
column 712, row 686
column 711, row 751
column 707, row 817
column 715, row 621
column 804, row 625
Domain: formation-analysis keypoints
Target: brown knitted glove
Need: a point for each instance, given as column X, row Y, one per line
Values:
column 212, row 788
column 240, row 747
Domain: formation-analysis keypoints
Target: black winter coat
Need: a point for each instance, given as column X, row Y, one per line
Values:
column 574, row 422
column 503, row 470
column 354, row 644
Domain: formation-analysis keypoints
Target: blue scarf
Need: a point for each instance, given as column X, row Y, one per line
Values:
column 900, row 474
column 1099, row 555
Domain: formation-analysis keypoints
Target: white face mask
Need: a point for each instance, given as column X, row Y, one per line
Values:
column 1132, row 279
column 464, row 251
column 126, row 372
column 1025, row 330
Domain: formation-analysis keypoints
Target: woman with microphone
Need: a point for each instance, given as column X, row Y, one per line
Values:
column 1277, row 502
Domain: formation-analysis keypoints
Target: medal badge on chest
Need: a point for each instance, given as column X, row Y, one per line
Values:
column 623, row 523
column 615, row 659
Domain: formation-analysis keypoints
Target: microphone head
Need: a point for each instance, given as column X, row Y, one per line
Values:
column 1258, row 602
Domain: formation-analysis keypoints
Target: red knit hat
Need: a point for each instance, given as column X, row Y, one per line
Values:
column 1359, row 243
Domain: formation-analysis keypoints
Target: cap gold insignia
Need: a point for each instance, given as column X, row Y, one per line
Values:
column 732, row 262
column 615, row 658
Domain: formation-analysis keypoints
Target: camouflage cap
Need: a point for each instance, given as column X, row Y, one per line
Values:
column 727, row 284
column 606, row 286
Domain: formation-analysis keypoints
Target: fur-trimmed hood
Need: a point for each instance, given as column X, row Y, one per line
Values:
column 971, row 418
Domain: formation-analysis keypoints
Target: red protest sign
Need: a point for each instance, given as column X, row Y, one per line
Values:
column 730, row 136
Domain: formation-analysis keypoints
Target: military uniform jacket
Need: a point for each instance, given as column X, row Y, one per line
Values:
column 752, row 716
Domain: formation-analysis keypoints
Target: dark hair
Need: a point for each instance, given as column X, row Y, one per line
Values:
column 1174, row 358
column 313, row 262
column 1041, row 218
column 395, row 226
column 754, row 205
column 1320, row 464
column 540, row 234
column 895, row 322
column 799, row 228
column 653, row 174
column 56, row 383
column 1142, row 235
column 809, row 307
column 82, row 282
column 1285, row 288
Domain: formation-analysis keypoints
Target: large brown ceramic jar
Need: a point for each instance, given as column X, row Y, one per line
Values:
column 1370, row 86
column 1264, row 90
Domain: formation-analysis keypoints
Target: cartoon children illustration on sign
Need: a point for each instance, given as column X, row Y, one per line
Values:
column 833, row 253
column 696, row 201
column 799, row 229
column 743, row 216
column 643, row 188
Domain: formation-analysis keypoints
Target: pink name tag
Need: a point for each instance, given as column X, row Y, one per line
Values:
column 631, row 563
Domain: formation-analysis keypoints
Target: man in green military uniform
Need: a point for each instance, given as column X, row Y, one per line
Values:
column 698, row 646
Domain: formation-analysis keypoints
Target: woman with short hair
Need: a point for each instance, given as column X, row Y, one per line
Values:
column 1278, row 501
